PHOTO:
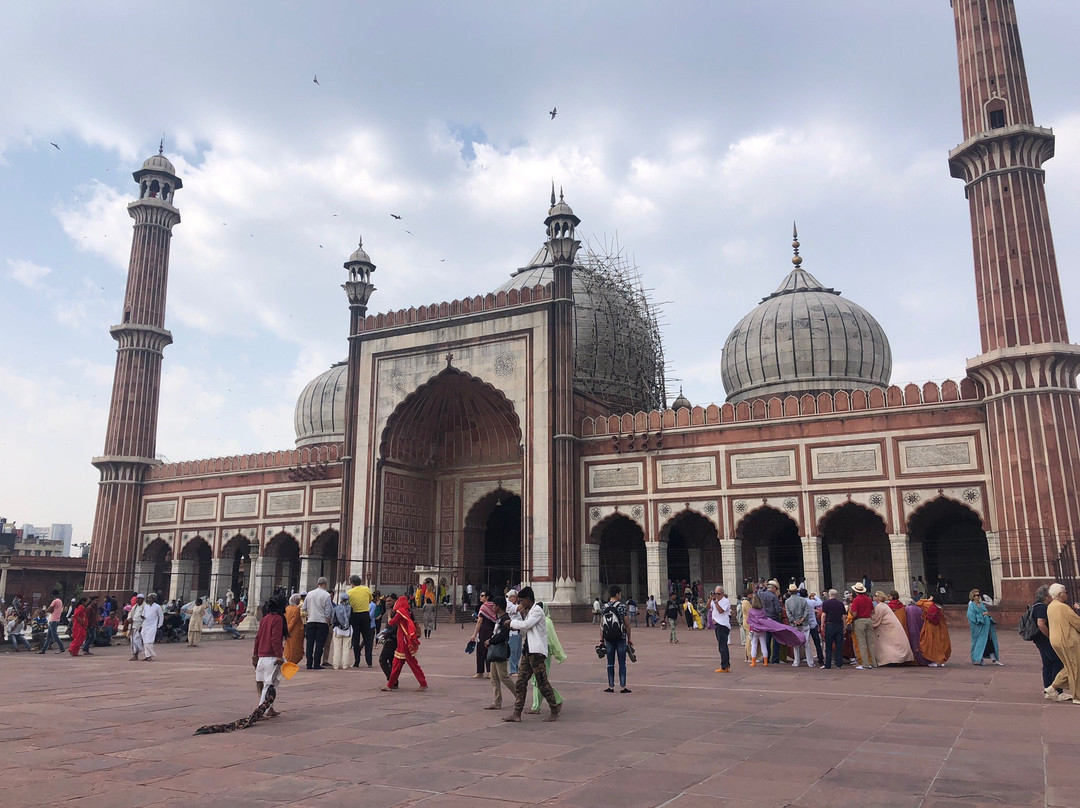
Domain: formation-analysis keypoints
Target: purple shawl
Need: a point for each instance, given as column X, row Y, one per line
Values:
column 785, row 635
column 914, row 629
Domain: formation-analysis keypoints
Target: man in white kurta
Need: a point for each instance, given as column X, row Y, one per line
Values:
column 135, row 624
column 153, row 617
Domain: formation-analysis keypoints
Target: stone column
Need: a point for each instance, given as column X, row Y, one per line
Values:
column 901, row 563
column 763, row 566
column 635, row 578
column 656, row 569
column 309, row 572
column 731, row 566
column 694, row 556
column 811, row 553
column 181, row 579
column 590, row 571
column 220, row 575
column 836, row 560
column 255, row 589
column 993, row 543
column 4, row 566
column 916, row 562
column 144, row 577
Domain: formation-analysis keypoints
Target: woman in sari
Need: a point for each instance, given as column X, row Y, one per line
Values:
column 78, row 628
column 555, row 651
column 890, row 638
column 485, row 625
column 408, row 643
column 934, row 642
column 294, row 627
column 984, row 641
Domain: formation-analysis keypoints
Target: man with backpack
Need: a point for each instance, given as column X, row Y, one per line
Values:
column 615, row 634
column 1035, row 627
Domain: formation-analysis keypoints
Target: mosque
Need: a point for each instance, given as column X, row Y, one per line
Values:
column 526, row 435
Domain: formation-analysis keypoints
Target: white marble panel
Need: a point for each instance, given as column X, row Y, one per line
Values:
column 162, row 510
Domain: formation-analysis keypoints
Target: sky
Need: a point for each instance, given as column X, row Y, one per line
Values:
column 695, row 133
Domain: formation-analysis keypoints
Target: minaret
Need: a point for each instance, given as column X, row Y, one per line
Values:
column 358, row 289
column 560, row 223
column 131, row 435
column 1027, row 368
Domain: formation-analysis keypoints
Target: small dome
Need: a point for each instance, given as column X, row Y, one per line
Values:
column 804, row 338
column 159, row 162
column 681, row 402
column 320, row 410
column 359, row 255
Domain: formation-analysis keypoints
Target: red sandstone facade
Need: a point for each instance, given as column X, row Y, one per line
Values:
column 467, row 453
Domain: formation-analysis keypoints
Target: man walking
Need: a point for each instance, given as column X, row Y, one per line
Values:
column 1051, row 662
column 134, row 626
column 153, row 617
column 363, row 630
column 720, row 615
column 834, row 613
column 93, row 620
column 533, row 656
column 862, row 610
column 320, row 609
column 770, row 602
column 615, row 634
column 56, row 609
column 651, row 618
column 671, row 617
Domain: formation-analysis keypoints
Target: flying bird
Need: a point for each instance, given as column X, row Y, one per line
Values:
column 54, row 145
column 316, row 79
column 410, row 232
column 554, row 112
column 395, row 216
column 442, row 260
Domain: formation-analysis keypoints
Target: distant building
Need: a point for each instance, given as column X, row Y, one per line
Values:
column 54, row 540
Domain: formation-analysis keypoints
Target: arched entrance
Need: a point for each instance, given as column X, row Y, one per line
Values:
column 450, row 432
column 238, row 551
column 953, row 546
column 858, row 545
column 284, row 551
column 159, row 553
column 693, row 550
column 622, row 557
column 771, row 546
column 197, row 556
column 323, row 558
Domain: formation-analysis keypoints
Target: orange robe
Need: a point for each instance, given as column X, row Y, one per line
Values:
column 934, row 642
column 294, row 645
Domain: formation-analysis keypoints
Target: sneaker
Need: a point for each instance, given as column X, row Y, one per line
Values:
column 999, row 662
column 609, row 690
column 1049, row 693
column 628, row 690
column 1064, row 697
column 859, row 667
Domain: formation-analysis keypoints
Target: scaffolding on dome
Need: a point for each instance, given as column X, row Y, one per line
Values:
column 619, row 359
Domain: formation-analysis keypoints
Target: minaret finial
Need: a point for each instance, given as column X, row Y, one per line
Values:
column 553, row 192
column 796, row 259
column 560, row 194
column 161, row 145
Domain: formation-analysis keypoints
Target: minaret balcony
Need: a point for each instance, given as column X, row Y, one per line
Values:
column 1010, row 148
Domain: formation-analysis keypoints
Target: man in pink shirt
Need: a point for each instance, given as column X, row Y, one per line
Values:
column 56, row 608
column 861, row 610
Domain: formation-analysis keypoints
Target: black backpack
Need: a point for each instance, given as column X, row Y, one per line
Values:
column 611, row 625
column 1028, row 627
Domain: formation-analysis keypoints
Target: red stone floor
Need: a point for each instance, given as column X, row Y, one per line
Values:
column 100, row 731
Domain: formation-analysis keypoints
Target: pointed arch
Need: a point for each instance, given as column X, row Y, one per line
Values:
column 693, row 548
column 855, row 543
column 954, row 546
column 622, row 555
column 771, row 545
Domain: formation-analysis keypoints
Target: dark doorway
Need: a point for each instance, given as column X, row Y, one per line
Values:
column 769, row 529
column 678, row 556
column 239, row 550
column 622, row 558
column 285, row 552
column 502, row 544
column 862, row 539
column 161, row 554
column 954, row 546
column 198, row 550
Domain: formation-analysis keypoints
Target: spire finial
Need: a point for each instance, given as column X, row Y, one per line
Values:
column 161, row 146
column 560, row 194
column 796, row 259
column 552, row 193
column 361, row 244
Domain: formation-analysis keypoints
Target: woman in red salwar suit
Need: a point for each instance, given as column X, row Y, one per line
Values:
column 78, row 628
column 407, row 646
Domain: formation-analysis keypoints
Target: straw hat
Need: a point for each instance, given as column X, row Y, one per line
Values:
column 773, row 582
column 793, row 588
column 858, row 588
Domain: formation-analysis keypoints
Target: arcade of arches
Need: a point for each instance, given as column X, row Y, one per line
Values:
column 945, row 538
column 451, row 432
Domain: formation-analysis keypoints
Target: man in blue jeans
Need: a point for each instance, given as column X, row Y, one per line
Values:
column 56, row 608
column 615, row 634
column 834, row 614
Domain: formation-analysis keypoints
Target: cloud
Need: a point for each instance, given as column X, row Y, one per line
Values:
column 27, row 273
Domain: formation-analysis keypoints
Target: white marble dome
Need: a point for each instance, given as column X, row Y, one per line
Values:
column 159, row 162
column 320, row 410
column 804, row 338
column 618, row 358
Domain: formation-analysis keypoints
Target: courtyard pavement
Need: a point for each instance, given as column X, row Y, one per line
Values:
column 102, row 731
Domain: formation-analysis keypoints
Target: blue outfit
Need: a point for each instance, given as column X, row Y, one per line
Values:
column 984, row 641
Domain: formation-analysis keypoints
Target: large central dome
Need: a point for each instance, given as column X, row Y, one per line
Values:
column 618, row 358
column 804, row 338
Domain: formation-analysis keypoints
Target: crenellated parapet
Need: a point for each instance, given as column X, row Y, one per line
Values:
column 456, row 308
column 774, row 409
column 261, row 461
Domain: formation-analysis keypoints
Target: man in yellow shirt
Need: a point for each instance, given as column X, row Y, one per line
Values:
column 363, row 630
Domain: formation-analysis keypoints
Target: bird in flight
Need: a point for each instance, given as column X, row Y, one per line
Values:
column 442, row 260
column 395, row 216
column 554, row 112
column 54, row 145
column 316, row 79
column 410, row 232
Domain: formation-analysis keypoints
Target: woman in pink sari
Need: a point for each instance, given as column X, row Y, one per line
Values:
column 78, row 628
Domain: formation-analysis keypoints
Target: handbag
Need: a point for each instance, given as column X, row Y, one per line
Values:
column 498, row 653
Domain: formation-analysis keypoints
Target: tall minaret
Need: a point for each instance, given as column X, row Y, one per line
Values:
column 131, row 435
column 1027, row 367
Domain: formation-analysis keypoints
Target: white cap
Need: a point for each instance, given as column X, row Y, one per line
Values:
column 140, row 596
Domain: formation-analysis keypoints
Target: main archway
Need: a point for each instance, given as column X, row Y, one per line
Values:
column 856, row 543
column 954, row 547
column 450, row 433
column 282, row 553
column 771, row 546
column 198, row 555
column 693, row 551
column 622, row 557
column 159, row 553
